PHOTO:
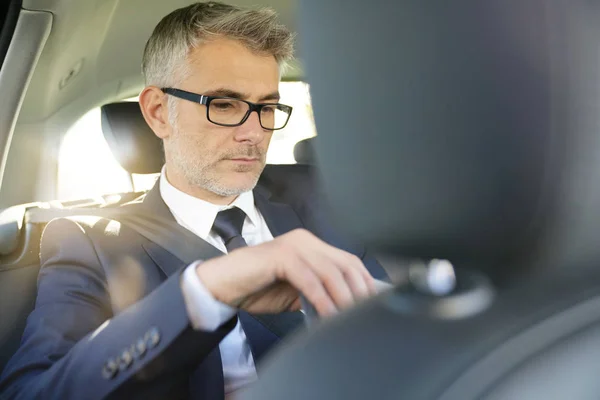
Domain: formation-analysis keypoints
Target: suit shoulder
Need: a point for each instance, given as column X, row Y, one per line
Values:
column 82, row 232
column 63, row 227
column 67, row 227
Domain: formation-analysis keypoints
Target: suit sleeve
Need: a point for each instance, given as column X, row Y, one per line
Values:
column 74, row 347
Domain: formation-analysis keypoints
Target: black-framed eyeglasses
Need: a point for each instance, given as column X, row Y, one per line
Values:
column 229, row 111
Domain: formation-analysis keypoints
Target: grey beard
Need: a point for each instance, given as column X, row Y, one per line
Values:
column 201, row 175
column 214, row 186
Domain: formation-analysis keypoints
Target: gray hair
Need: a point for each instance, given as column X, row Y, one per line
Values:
column 164, row 61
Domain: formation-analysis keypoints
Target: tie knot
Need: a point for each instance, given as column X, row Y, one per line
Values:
column 229, row 223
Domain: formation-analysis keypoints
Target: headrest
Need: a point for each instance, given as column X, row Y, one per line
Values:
column 471, row 130
column 304, row 151
column 132, row 142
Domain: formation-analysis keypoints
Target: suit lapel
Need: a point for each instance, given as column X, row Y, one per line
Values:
column 172, row 255
column 154, row 203
column 280, row 217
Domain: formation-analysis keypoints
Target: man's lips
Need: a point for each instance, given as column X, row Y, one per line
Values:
column 244, row 159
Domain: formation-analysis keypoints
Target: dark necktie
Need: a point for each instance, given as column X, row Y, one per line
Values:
column 228, row 225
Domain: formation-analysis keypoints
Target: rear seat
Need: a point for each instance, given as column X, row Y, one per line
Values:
column 138, row 151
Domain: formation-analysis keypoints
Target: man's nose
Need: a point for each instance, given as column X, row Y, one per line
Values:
column 251, row 131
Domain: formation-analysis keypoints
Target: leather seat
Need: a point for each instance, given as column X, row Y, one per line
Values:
column 470, row 132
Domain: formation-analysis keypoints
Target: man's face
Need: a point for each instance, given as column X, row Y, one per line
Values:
column 226, row 161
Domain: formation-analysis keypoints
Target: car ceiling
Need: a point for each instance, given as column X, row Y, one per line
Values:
column 94, row 51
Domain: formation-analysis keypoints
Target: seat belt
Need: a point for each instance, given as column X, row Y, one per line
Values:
column 149, row 226
column 164, row 232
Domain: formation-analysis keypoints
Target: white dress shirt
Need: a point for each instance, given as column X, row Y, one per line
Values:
column 204, row 311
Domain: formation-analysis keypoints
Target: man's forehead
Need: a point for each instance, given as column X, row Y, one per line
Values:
column 254, row 90
column 229, row 67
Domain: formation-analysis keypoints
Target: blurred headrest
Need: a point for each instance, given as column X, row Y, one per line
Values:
column 304, row 151
column 470, row 130
column 132, row 142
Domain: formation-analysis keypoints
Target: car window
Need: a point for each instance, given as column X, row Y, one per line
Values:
column 86, row 167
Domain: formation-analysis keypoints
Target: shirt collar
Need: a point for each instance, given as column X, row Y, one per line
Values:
column 197, row 214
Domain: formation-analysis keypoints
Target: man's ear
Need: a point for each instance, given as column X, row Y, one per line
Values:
column 153, row 103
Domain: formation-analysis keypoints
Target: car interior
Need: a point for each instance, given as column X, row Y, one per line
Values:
column 78, row 56
column 479, row 122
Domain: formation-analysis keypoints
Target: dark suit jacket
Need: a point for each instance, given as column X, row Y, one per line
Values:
column 110, row 319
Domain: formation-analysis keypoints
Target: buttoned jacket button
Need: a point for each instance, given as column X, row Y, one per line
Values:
column 110, row 369
column 152, row 338
column 140, row 348
column 125, row 359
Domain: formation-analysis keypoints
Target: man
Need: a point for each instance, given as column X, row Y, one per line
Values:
column 119, row 316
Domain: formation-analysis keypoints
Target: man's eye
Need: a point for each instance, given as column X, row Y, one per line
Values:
column 268, row 110
column 223, row 105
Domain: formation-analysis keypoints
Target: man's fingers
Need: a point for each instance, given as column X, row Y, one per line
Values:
column 356, row 274
column 366, row 275
column 357, row 282
column 329, row 278
column 309, row 284
column 334, row 282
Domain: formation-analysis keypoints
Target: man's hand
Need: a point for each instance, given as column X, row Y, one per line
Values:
column 268, row 278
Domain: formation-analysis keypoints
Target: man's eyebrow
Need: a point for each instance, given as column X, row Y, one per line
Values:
column 271, row 96
column 226, row 93
column 238, row 95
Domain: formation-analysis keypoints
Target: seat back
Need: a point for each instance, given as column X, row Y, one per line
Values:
column 466, row 131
